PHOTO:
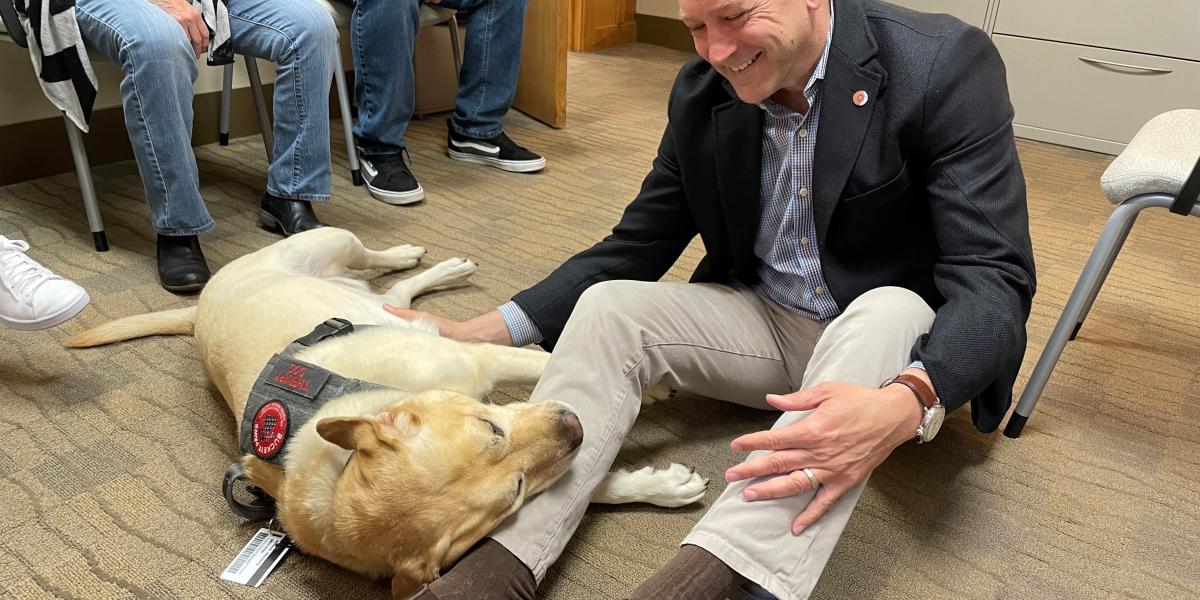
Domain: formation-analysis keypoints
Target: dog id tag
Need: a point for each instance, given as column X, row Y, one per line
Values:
column 258, row 558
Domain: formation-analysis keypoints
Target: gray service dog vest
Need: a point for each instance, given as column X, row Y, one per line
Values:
column 288, row 392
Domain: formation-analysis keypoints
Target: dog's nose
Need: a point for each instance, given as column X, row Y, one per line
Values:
column 571, row 428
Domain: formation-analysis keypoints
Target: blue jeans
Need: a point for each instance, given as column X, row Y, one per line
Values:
column 382, row 35
column 156, row 92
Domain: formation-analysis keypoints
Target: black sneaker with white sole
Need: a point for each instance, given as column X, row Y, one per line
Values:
column 389, row 179
column 499, row 152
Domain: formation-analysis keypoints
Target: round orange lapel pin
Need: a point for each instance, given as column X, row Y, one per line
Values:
column 860, row 98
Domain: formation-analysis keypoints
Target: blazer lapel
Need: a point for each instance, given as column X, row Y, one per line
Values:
column 851, row 68
column 737, row 134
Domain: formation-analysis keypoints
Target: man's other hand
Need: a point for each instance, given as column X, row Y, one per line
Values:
column 849, row 432
column 190, row 19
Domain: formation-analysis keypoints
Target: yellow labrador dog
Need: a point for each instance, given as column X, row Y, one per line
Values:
column 395, row 482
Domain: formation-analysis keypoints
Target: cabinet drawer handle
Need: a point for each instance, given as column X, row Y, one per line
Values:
column 1096, row 61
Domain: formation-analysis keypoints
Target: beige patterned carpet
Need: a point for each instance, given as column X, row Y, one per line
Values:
column 111, row 459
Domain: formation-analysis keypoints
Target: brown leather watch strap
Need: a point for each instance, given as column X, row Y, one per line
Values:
column 922, row 390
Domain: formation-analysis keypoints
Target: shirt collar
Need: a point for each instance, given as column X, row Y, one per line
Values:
column 818, row 74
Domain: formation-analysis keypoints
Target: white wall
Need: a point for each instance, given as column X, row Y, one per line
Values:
column 659, row 8
column 21, row 97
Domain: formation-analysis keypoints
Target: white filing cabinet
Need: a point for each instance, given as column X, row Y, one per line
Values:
column 973, row 12
column 1089, row 73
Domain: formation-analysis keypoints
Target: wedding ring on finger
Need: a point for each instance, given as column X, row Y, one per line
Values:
column 812, row 478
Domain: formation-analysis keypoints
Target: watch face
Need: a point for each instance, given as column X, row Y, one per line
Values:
column 933, row 422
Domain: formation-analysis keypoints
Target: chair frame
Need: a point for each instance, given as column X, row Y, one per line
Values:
column 1112, row 238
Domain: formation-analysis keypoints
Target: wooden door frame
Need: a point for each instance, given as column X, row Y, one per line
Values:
column 597, row 24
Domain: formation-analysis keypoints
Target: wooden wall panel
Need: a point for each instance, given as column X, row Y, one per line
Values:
column 599, row 24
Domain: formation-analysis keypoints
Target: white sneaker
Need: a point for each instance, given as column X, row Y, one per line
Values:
column 32, row 296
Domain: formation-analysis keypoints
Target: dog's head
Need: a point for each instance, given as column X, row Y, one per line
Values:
column 432, row 475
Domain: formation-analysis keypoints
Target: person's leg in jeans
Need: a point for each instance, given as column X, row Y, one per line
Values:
column 300, row 38
column 869, row 343
column 382, row 34
column 487, row 84
column 622, row 337
column 156, row 94
column 490, row 63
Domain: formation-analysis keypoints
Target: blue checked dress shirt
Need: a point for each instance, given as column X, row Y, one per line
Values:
column 790, row 262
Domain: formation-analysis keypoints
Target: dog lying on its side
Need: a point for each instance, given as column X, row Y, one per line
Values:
column 395, row 482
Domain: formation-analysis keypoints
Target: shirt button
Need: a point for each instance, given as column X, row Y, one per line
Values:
column 803, row 133
column 803, row 192
column 819, row 290
column 804, row 241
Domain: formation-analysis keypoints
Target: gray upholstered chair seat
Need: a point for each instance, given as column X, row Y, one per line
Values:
column 1157, row 160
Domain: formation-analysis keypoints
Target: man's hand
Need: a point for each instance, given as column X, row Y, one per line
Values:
column 850, row 431
column 190, row 19
column 488, row 327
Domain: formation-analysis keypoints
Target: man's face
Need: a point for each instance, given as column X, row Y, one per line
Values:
column 760, row 46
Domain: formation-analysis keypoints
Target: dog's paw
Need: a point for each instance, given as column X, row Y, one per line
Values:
column 655, row 394
column 675, row 486
column 452, row 271
column 680, row 485
column 405, row 256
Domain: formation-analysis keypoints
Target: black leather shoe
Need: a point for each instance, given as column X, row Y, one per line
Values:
column 288, row 217
column 181, row 265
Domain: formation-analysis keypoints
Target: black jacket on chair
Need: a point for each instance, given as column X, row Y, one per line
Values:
column 919, row 188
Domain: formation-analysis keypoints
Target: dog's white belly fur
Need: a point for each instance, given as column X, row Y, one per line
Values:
column 234, row 347
column 254, row 308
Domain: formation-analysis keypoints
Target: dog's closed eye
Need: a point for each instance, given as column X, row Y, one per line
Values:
column 496, row 431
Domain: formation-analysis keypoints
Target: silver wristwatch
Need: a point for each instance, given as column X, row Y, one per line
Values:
column 934, row 411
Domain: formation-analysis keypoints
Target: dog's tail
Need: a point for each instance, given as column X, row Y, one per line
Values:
column 167, row 322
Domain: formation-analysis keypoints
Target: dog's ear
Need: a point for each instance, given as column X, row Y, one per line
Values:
column 351, row 433
column 367, row 433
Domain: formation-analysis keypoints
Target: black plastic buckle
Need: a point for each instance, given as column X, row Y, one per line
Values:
column 330, row 328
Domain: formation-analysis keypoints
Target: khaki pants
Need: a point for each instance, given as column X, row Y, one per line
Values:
column 726, row 342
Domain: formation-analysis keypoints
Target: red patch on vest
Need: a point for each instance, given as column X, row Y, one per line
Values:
column 295, row 378
column 269, row 429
